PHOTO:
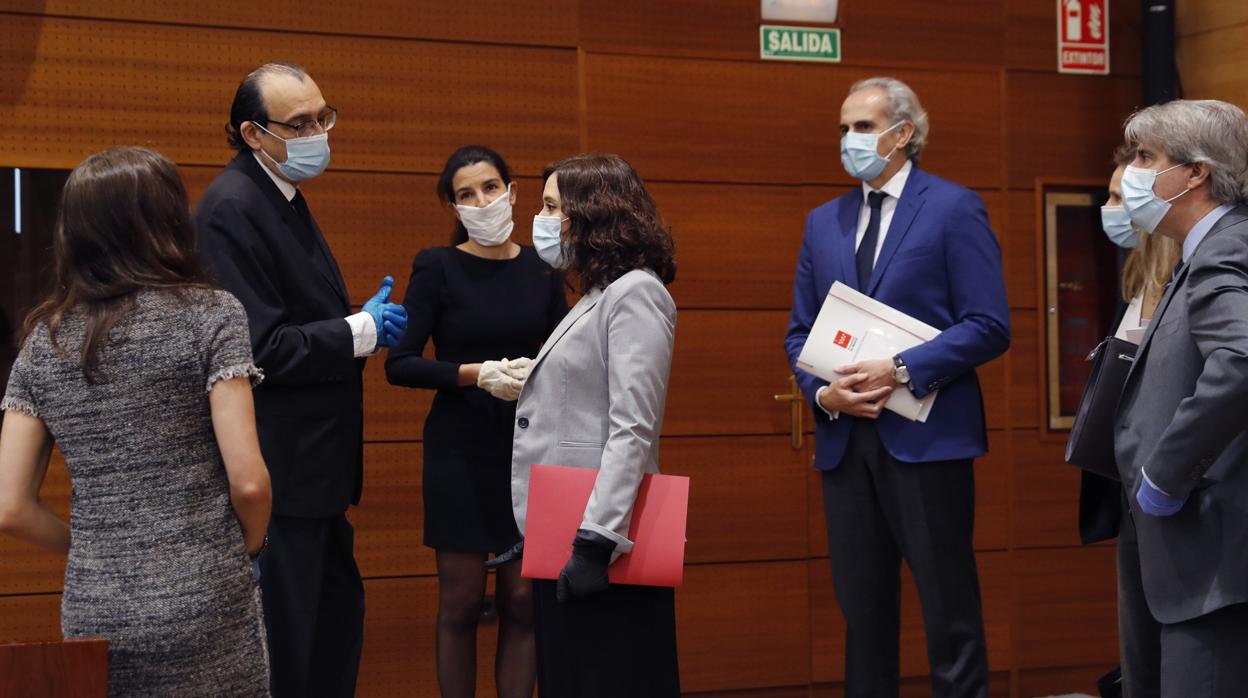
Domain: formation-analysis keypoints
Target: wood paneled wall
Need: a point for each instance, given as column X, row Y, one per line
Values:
column 1212, row 48
column 736, row 151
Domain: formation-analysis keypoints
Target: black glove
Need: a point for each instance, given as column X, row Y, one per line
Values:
column 586, row 571
column 513, row 554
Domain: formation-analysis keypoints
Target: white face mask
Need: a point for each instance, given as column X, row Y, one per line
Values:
column 547, row 239
column 489, row 225
column 1143, row 205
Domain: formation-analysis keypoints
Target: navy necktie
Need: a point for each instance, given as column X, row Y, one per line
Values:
column 866, row 248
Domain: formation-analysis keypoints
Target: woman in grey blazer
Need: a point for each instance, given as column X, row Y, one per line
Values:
column 594, row 398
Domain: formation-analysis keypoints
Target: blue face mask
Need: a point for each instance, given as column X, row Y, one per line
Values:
column 1117, row 226
column 1145, row 207
column 306, row 157
column 860, row 154
column 547, row 240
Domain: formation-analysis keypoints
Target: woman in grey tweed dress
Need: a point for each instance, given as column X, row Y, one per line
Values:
column 155, row 421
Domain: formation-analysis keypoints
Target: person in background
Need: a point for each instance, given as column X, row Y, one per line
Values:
column 1180, row 439
column 481, row 299
column 261, row 242
column 895, row 488
column 594, row 398
column 1145, row 273
column 144, row 374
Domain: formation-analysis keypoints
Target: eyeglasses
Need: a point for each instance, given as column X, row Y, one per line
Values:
column 312, row 127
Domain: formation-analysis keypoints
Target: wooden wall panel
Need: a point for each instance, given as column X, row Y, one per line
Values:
column 1200, row 16
column 1065, row 609
column 828, row 626
column 1045, row 494
column 404, row 105
column 1019, row 237
column 390, row 521
column 1031, row 36
column 726, row 368
column 539, row 22
column 736, row 246
column 1212, row 64
column 698, row 120
column 747, row 498
column 1027, row 391
column 25, row 569
column 699, row 28
column 30, row 617
column 1065, row 125
column 763, row 642
column 909, row 33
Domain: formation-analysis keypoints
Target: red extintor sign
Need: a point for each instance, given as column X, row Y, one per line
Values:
column 1083, row 36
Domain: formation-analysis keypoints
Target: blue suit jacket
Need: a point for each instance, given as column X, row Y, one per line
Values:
column 941, row 264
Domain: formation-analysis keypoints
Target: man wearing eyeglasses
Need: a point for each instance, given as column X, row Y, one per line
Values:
column 263, row 245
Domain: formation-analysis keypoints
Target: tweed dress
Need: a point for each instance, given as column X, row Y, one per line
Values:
column 157, row 563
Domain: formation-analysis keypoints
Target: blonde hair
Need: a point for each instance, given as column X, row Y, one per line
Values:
column 1149, row 264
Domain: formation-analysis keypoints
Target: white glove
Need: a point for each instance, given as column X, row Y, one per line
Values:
column 518, row 368
column 494, row 378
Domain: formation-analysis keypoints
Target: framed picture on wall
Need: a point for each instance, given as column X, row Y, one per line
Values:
column 1082, row 269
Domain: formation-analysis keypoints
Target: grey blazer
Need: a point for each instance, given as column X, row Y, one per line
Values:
column 1183, row 419
column 594, row 398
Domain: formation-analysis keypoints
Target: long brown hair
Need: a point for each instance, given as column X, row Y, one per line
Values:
column 124, row 225
column 614, row 224
column 1149, row 263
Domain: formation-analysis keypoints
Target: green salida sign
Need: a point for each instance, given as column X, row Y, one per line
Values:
column 779, row 43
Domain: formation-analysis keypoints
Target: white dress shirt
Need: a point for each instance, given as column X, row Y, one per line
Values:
column 363, row 328
column 893, row 187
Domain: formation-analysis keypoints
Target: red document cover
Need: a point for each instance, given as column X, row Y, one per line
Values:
column 557, row 499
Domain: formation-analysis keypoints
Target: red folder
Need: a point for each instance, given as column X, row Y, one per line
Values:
column 557, row 499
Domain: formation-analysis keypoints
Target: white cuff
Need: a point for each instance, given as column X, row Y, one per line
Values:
column 363, row 333
column 818, row 393
column 1150, row 484
column 622, row 544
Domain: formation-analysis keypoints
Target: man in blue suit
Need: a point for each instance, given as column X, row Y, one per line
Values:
column 894, row 488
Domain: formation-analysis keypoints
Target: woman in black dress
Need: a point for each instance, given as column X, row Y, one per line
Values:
column 487, row 303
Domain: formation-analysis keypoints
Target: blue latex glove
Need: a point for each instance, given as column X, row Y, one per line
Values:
column 390, row 318
column 255, row 568
column 1155, row 502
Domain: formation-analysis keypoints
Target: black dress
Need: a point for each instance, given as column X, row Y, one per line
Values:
column 474, row 309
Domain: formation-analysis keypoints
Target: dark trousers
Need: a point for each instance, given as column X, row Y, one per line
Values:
column 313, row 607
column 620, row 643
column 1205, row 656
column 1139, row 634
column 880, row 510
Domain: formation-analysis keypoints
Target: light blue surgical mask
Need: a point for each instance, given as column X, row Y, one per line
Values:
column 1117, row 226
column 860, row 153
column 1142, row 204
column 306, row 157
column 547, row 240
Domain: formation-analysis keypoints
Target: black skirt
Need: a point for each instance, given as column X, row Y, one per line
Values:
column 467, row 473
column 620, row 643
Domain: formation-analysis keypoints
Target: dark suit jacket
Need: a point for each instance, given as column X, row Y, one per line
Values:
column 941, row 264
column 309, row 409
column 1181, row 420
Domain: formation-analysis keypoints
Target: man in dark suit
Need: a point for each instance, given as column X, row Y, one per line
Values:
column 263, row 245
column 1181, row 439
column 895, row 488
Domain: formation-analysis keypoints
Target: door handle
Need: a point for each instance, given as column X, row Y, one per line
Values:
column 795, row 399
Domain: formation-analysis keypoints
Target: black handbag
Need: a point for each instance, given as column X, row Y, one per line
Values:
column 1091, row 444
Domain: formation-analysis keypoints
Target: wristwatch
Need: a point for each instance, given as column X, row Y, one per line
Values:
column 901, row 374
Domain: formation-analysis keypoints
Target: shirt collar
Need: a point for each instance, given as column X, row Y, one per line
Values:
column 894, row 186
column 1202, row 228
column 288, row 190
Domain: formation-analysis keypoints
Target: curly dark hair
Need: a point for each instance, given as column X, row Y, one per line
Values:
column 614, row 225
